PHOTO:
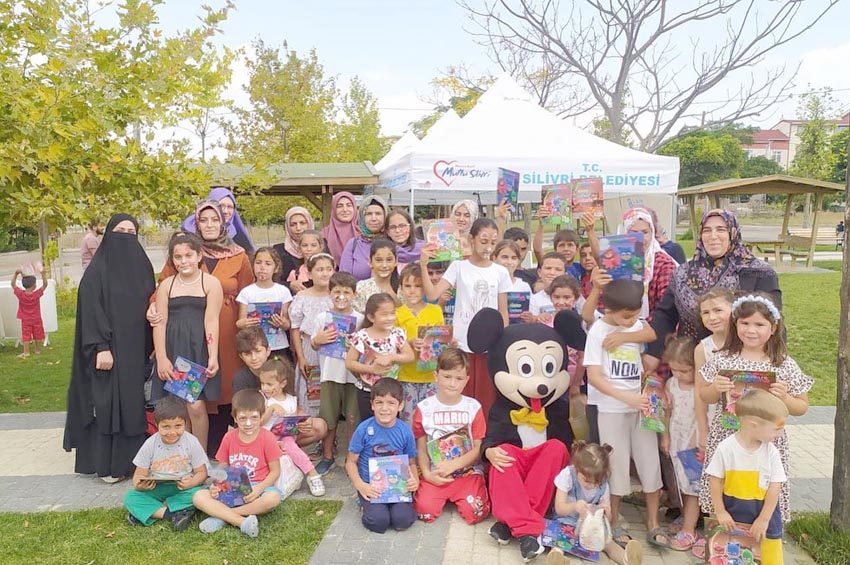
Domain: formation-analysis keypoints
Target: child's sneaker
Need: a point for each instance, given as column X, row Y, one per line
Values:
column 557, row 557
column 500, row 532
column 211, row 525
column 180, row 519
column 530, row 547
column 324, row 466
column 133, row 521
column 250, row 526
column 317, row 486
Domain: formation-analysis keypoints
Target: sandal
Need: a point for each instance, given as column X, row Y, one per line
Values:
column 652, row 538
column 682, row 541
column 676, row 525
column 618, row 533
column 698, row 549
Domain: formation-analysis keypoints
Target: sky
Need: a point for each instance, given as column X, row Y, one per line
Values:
column 397, row 47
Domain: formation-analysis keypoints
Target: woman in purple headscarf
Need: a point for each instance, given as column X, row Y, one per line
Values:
column 343, row 225
column 232, row 221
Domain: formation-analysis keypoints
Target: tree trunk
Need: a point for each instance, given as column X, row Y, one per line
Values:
column 839, row 512
column 807, row 211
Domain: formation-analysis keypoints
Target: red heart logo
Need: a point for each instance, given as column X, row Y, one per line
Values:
column 439, row 175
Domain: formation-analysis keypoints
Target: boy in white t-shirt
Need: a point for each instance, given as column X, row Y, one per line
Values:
column 540, row 307
column 456, row 476
column 614, row 371
column 339, row 395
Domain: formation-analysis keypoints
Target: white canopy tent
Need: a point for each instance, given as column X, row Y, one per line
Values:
column 507, row 129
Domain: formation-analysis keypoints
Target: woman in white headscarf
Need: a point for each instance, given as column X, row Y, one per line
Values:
column 464, row 212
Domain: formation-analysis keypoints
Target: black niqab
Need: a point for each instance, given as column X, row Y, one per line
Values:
column 107, row 408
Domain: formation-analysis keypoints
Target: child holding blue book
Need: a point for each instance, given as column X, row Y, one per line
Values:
column 265, row 293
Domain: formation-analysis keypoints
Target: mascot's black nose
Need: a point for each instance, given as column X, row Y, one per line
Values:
column 542, row 390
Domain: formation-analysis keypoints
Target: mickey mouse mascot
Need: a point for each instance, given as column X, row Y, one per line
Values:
column 528, row 430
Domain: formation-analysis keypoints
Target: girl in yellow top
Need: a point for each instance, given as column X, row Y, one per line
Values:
column 415, row 313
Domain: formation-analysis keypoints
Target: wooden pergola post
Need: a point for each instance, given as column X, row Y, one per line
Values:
column 818, row 203
column 692, row 209
column 789, row 202
column 327, row 200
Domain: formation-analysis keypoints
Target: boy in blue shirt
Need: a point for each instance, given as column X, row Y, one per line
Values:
column 381, row 435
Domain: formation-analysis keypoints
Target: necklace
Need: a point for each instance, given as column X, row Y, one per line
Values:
column 184, row 283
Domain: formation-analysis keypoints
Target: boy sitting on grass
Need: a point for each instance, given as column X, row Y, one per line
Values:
column 255, row 449
column 381, row 435
column 171, row 453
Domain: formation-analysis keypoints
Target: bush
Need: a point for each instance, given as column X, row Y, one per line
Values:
column 66, row 299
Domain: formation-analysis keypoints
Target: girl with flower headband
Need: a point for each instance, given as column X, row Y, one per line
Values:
column 754, row 342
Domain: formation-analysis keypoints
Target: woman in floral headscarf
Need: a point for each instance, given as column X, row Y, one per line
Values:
column 297, row 221
column 355, row 256
column 721, row 261
column 229, row 263
column 343, row 226
column 232, row 221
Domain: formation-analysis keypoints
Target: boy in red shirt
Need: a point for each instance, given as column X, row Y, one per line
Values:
column 255, row 449
column 29, row 310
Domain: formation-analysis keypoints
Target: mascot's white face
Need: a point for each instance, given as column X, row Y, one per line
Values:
column 533, row 376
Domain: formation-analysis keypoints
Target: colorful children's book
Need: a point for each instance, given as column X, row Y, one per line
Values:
column 435, row 340
column 557, row 198
column 449, row 308
column 344, row 326
column 233, row 484
column 622, row 256
column 517, row 304
column 162, row 478
column 507, row 188
column 368, row 358
column 735, row 547
column 390, row 475
column 287, row 425
column 564, row 536
column 587, row 196
column 654, row 418
column 451, row 446
column 743, row 381
column 691, row 460
column 314, row 387
column 264, row 312
column 189, row 380
column 444, row 234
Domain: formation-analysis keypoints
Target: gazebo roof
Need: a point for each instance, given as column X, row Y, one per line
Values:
column 288, row 178
column 771, row 184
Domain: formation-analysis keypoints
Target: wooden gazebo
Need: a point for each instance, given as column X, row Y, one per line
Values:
column 314, row 181
column 771, row 184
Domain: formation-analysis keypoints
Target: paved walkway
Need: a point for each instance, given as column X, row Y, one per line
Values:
column 52, row 485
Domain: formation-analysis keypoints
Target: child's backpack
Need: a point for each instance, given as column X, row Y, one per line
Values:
column 594, row 531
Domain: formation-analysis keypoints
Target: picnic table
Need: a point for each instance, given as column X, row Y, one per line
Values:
column 795, row 247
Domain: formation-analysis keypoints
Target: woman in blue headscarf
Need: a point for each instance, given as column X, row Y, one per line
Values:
column 233, row 223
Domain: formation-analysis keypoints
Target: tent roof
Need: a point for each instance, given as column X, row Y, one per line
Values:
column 771, row 184
column 399, row 149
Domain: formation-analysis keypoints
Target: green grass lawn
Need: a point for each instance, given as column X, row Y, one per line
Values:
column 288, row 535
column 814, row 533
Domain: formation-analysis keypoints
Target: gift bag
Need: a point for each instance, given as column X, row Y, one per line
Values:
column 594, row 531
column 290, row 477
column 578, row 418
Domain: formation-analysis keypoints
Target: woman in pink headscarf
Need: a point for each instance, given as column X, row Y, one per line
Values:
column 297, row 221
column 343, row 225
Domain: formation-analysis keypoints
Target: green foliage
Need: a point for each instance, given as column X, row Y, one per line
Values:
column 814, row 158
column 705, row 156
column 815, row 534
column 462, row 96
column 72, row 92
column 66, row 299
column 760, row 166
column 838, row 147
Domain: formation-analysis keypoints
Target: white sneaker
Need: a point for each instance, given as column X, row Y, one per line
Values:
column 317, row 485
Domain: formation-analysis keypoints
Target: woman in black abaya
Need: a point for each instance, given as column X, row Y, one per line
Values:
column 106, row 399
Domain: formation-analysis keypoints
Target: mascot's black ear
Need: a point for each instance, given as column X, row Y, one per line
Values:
column 568, row 326
column 484, row 330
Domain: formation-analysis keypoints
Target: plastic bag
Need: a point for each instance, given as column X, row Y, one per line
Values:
column 578, row 418
column 594, row 531
column 290, row 477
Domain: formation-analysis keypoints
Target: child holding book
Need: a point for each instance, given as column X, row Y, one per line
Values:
column 339, row 395
column 450, row 418
column 276, row 378
column 506, row 253
column 520, row 237
column 171, row 466
column 311, row 243
column 754, row 461
column 587, row 260
column 254, row 351
column 414, row 314
column 582, row 487
column 267, row 266
column 565, row 243
column 383, row 260
column 305, row 315
column 715, row 309
column 189, row 326
column 29, row 310
column 253, row 448
column 479, row 283
column 682, row 438
column 540, row 308
column 380, row 435
column 614, row 387
column 753, row 343
column 376, row 350
column 446, row 300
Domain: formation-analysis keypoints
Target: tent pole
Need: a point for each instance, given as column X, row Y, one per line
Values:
column 412, row 205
